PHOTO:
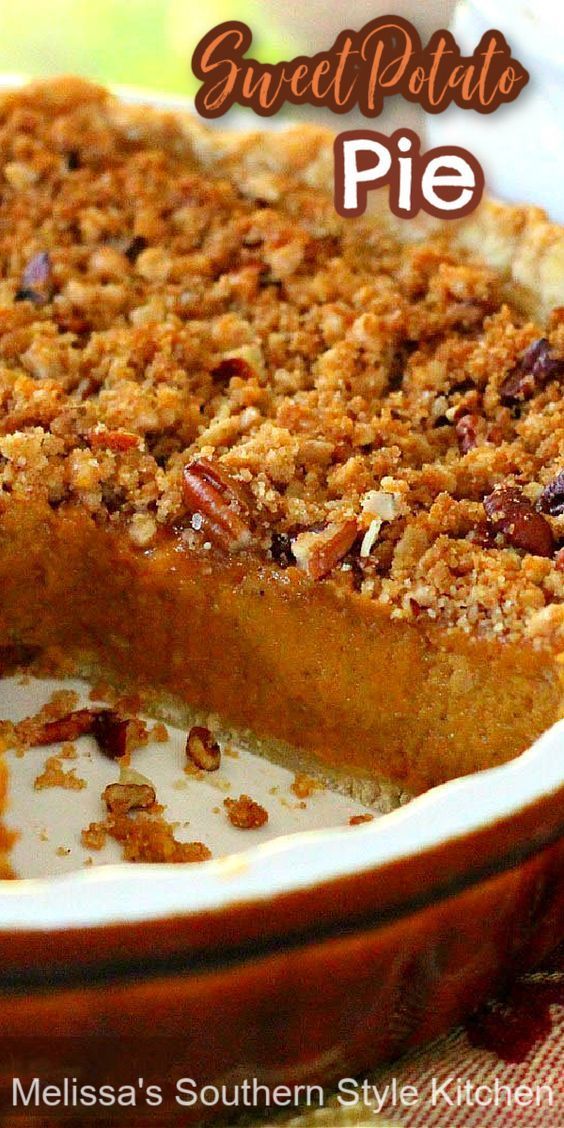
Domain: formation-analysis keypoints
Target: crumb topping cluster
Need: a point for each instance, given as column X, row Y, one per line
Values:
column 216, row 353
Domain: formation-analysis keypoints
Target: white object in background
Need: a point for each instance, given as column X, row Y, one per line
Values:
column 314, row 26
column 318, row 23
column 521, row 145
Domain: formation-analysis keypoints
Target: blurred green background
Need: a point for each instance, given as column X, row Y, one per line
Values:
column 136, row 42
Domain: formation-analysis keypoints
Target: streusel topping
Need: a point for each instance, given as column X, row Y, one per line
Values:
column 213, row 351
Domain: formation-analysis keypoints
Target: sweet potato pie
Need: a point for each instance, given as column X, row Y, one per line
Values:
column 302, row 472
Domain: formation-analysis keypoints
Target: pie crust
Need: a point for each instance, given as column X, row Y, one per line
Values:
column 247, row 447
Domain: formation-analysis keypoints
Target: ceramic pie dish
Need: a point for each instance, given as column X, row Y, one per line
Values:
column 361, row 942
column 299, row 962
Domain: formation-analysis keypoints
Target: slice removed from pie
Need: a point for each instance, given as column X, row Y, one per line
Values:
column 303, row 472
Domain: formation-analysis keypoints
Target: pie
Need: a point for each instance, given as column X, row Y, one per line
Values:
column 301, row 472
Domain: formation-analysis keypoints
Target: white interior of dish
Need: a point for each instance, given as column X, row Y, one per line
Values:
column 110, row 893
column 49, row 821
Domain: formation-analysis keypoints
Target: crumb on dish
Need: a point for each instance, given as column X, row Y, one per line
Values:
column 54, row 775
column 245, row 813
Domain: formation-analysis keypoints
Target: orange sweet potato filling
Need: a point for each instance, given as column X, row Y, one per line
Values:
column 271, row 650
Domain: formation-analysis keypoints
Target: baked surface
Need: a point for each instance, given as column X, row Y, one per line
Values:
column 198, row 357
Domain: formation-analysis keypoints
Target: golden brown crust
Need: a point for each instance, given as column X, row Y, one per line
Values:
column 204, row 301
column 519, row 241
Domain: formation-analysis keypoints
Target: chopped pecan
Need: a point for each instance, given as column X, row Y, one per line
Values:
column 398, row 364
column 202, row 749
column 134, row 248
column 113, row 440
column 209, row 492
column 281, row 550
column 357, row 820
column 245, row 813
column 386, row 504
column 552, row 497
column 533, row 370
column 467, row 432
column 482, row 535
column 556, row 318
column 110, row 732
column 509, row 512
column 370, row 537
column 69, row 727
column 231, row 366
column 26, row 294
column 36, row 282
column 317, row 553
column 469, row 403
column 123, row 797
column 71, row 322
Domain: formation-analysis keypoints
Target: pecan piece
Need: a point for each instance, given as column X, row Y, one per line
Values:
column 202, row 749
column 317, row 553
column 509, row 512
column 123, row 797
column 110, row 732
column 210, row 494
column 245, row 813
column 552, row 497
column 482, row 535
column 467, row 432
column 36, row 283
column 137, row 244
column 66, row 728
column 71, row 323
column 113, row 440
column 231, row 366
column 398, row 364
column 535, row 367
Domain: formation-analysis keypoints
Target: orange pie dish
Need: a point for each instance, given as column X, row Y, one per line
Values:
column 303, row 473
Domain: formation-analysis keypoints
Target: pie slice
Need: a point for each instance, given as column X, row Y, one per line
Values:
column 301, row 472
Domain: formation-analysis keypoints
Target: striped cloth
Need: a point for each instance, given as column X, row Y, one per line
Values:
column 513, row 1048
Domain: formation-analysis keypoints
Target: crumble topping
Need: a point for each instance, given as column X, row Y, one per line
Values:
column 136, row 821
column 245, row 813
column 304, row 786
column 54, row 775
column 143, row 838
column 212, row 352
